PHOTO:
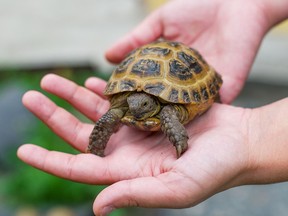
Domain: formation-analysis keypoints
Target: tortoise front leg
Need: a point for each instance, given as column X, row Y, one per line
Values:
column 103, row 130
column 173, row 129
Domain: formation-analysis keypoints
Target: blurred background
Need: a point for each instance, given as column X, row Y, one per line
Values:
column 69, row 38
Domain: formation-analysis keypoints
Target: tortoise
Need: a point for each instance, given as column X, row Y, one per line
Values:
column 159, row 86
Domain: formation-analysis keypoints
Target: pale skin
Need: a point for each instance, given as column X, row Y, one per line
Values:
column 227, row 33
column 228, row 146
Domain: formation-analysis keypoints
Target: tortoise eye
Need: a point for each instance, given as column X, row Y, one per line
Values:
column 145, row 104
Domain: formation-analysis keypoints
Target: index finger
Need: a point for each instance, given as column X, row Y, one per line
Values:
column 85, row 168
column 59, row 120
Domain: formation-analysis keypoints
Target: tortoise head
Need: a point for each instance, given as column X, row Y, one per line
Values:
column 142, row 105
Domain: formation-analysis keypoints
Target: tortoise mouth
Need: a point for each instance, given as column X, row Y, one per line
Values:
column 139, row 116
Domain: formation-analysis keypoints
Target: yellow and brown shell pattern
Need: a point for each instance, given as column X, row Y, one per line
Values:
column 170, row 70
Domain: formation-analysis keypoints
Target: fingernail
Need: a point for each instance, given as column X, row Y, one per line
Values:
column 107, row 210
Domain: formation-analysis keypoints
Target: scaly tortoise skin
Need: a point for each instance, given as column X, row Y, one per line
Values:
column 162, row 85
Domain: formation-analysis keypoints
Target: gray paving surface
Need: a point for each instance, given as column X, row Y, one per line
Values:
column 13, row 119
column 43, row 33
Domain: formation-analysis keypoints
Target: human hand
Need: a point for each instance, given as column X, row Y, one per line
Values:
column 140, row 166
column 227, row 33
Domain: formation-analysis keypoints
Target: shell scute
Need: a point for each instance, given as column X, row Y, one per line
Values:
column 185, row 96
column 154, row 88
column 146, row 68
column 190, row 62
column 179, row 70
column 204, row 93
column 168, row 70
column 173, row 96
column 196, row 96
column 127, row 85
column 157, row 51
column 124, row 65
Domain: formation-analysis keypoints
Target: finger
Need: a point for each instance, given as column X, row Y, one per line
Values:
column 162, row 191
column 88, row 103
column 96, row 85
column 149, row 30
column 85, row 168
column 234, row 83
column 59, row 120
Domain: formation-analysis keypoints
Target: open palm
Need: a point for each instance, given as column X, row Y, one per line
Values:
column 227, row 33
column 141, row 167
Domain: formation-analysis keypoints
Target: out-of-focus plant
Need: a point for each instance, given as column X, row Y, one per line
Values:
column 24, row 185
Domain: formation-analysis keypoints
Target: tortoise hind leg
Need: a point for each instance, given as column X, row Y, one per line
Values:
column 103, row 130
column 173, row 129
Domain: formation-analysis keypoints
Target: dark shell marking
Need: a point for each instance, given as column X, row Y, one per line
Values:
column 198, row 56
column 204, row 93
column 173, row 44
column 110, row 87
column 127, row 85
column 190, row 62
column 170, row 70
column 173, row 97
column 158, row 51
column 146, row 68
column 154, row 88
column 179, row 70
column 185, row 96
column 124, row 65
column 196, row 96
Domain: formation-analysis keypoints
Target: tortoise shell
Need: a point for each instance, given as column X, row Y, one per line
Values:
column 169, row 70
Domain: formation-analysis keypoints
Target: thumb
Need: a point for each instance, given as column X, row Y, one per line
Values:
column 149, row 30
column 145, row 192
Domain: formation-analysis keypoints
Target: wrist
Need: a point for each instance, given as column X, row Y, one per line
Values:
column 268, row 144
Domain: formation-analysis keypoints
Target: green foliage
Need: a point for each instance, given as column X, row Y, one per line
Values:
column 26, row 185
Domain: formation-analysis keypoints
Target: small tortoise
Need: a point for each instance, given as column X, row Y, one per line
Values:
column 162, row 85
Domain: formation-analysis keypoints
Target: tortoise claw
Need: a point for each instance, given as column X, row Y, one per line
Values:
column 178, row 151
column 181, row 148
column 103, row 130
